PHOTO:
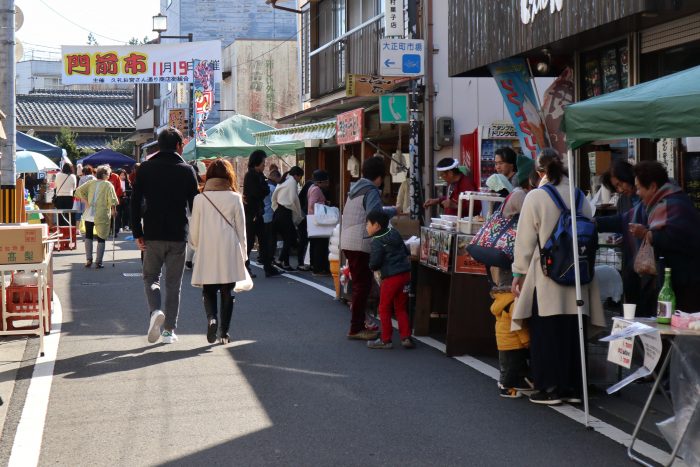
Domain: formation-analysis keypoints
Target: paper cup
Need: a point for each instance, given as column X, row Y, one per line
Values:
column 628, row 310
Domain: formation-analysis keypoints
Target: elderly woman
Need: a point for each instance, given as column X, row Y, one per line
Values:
column 100, row 200
column 639, row 290
column 673, row 228
column 550, row 307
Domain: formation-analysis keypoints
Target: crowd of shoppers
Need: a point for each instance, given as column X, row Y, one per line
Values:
column 536, row 318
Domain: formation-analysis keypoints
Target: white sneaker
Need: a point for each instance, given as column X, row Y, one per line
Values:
column 157, row 319
column 169, row 337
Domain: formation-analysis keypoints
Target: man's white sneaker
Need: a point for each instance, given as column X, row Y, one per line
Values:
column 169, row 337
column 157, row 319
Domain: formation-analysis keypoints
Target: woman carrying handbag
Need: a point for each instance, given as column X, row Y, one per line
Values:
column 217, row 234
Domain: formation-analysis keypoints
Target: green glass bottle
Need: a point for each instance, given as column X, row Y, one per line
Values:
column 666, row 301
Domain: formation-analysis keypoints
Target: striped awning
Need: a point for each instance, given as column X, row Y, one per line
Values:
column 320, row 130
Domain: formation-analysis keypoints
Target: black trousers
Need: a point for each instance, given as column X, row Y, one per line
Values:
column 267, row 250
column 303, row 241
column 555, row 355
column 254, row 229
column 64, row 202
column 319, row 255
column 284, row 226
column 211, row 308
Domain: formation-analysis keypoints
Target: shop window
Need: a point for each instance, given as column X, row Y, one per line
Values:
column 604, row 70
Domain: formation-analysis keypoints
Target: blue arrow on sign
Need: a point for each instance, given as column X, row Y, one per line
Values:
column 388, row 63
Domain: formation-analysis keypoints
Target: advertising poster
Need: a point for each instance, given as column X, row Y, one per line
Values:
column 137, row 64
column 513, row 79
column 203, row 92
column 464, row 263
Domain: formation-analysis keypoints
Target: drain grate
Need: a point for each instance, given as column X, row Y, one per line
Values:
column 89, row 283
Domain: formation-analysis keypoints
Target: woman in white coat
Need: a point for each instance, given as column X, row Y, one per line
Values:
column 217, row 234
column 551, row 309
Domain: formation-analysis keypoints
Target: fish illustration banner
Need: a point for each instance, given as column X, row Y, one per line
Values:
column 137, row 64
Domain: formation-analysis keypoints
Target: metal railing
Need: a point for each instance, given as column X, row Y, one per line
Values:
column 355, row 52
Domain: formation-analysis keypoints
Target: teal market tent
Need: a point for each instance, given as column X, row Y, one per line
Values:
column 234, row 137
column 667, row 107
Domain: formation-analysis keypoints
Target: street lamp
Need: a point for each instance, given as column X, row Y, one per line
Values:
column 160, row 23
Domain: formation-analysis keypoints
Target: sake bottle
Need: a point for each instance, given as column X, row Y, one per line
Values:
column 666, row 303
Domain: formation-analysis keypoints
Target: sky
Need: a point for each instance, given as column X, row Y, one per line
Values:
column 48, row 24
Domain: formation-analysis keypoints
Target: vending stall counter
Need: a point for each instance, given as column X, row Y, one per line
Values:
column 452, row 295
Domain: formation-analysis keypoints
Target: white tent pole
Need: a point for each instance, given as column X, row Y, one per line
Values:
column 577, row 273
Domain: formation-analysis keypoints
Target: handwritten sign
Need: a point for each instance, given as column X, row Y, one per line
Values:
column 666, row 154
column 349, row 126
column 651, row 340
column 620, row 350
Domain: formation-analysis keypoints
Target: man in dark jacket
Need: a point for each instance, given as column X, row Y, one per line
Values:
column 255, row 189
column 389, row 255
column 168, row 186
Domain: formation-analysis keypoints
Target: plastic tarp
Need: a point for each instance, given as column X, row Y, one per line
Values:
column 116, row 160
column 30, row 143
column 234, row 137
column 685, row 393
column 663, row 108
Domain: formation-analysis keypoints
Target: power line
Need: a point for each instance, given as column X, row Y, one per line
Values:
column 82, row 27
column 41, row 45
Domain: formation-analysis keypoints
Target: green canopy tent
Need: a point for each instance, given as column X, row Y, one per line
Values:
column 233, row 137
column 663, row 108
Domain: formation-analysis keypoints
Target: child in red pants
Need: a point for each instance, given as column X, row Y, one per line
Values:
column 390, row 256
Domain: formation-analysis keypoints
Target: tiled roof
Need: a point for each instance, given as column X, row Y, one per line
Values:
column 75, row 109
column 93, row 143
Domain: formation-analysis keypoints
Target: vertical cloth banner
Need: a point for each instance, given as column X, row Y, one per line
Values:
column 557, row 96
column 203, row 96
column 513, row 79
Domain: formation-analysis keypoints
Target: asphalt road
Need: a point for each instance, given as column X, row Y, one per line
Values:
column 290, row 390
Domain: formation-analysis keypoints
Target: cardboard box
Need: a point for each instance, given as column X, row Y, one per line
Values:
column 22, row 243
column 599, row 162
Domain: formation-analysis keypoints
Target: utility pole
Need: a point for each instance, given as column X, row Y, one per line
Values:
column 7, row 105
column 416, row 185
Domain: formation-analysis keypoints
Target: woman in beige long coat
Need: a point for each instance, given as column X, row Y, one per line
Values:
column 217, row 234
column 551, row 308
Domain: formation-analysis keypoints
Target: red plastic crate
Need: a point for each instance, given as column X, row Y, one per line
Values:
column 25, row 300
column 68, row 239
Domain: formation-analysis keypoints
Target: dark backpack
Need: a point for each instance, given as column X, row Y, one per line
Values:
column 557, row 254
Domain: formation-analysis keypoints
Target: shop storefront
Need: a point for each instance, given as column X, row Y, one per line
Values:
column 607, row 46
column 592, row 47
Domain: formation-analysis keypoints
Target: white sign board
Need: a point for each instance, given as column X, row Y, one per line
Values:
column 393, row 18
column 137, row 64
column 651, row 340
column 620, row 350
column 401, row 57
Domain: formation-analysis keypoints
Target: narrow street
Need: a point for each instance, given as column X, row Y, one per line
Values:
column 289, row 390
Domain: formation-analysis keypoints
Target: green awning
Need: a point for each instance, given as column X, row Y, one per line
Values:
column 667, row 107
column 320, row 130
column 233, row 137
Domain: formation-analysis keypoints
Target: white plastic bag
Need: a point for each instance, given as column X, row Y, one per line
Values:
column 326, row 215
column 244, row 285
